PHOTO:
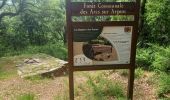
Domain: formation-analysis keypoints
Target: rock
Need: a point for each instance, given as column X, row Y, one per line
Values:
column 46, row 65
column 31, row 61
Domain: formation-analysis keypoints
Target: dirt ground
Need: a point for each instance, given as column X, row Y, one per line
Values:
column 48, row 89
column 56, row 88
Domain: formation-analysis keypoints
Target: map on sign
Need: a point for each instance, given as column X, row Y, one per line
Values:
column 102, row 45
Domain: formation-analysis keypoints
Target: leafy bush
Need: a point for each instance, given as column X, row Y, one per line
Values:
column 156, row 58
column 144, row 57
column 161, row 59
column 156, row 27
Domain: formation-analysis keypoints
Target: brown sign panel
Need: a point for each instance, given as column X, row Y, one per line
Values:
column 120, row 35
column 102, row 8
column 102, row 45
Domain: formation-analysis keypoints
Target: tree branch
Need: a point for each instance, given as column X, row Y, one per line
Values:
column 14, row 5
column 11, row 14
column 3, row 4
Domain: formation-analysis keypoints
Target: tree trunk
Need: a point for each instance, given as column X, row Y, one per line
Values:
column 143, row 11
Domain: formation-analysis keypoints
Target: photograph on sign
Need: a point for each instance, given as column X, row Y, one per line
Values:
column 105, row 45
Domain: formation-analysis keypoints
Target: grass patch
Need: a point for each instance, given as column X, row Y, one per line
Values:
column 7, row 68
column 138, row 73
column 28, row 96
column 7, row 74
column 97, row 86
column 103, row 89
column 38, row 79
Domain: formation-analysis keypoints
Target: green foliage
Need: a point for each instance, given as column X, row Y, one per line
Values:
column 162, row 59
column 7, row 68
column 164, row 85
column 56, row 50
column 7, row 74
column 154, row 58
column 156, row 26
column 102, row 88
column 26, row 97
column 39, row 23
column 139, row 73
column 37, row 79
column 145, row 57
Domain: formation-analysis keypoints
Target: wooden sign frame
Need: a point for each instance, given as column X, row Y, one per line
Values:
column 73, row 9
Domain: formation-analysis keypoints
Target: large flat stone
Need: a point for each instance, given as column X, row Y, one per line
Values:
column 43, row 64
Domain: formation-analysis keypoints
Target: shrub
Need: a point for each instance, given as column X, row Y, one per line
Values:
column 155, row 58
column 161, row 59
column 145, row 57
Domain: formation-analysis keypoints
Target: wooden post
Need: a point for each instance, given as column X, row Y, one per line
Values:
column 70, row 49
column 133, row 55
column 71, row 84
column 130, row 84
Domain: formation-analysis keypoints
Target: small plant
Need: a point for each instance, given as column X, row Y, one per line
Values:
column 103, row 88
column 155, row 58
column 164, row 85
column 139, row 73
column 26, row 97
